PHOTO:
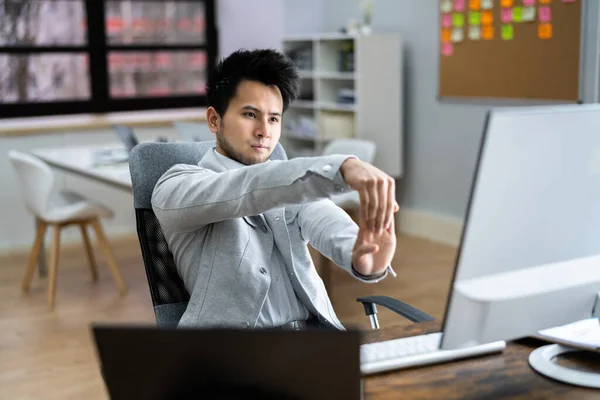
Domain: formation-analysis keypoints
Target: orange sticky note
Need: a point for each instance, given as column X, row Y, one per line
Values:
column 487, row 18
column 446, row 35
column 487, row 32
column 474, row 5
column 545, row 1
column 545, row 31
column 506, row 3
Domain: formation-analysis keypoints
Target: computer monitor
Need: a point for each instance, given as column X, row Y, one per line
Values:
column 126, row 136
column 529, row 256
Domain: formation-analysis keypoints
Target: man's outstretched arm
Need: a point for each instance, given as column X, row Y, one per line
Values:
column 188, row 197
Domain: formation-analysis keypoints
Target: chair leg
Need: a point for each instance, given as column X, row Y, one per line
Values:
column 53, row 266
column 33, row 256
column 89, row 250
column 110, row 258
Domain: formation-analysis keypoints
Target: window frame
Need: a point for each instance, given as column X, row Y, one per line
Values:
column 97, row 50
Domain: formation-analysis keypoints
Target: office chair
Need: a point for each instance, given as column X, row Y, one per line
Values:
column 147, row 163
column 59, row 208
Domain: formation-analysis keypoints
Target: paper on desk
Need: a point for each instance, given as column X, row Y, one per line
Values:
column 583, row 334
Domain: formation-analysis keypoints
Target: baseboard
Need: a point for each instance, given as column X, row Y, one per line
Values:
column 430, row 226
column 69, row 241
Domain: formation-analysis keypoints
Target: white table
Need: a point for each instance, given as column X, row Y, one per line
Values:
column 80, row 160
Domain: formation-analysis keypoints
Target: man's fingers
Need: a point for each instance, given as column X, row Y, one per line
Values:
column 364, row 206
column 373, row 204
column 391, row 203
column 383, row 209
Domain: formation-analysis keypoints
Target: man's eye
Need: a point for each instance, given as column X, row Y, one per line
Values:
column 274, row 119
column 251, row 114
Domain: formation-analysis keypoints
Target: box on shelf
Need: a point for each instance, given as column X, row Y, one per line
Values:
column 336, row 125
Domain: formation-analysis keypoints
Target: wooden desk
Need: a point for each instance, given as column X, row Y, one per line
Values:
column 504, row 375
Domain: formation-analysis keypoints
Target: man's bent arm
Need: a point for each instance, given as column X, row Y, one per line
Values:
column 188, row 197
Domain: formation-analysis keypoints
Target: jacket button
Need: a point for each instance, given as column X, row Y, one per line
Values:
column 327, row 168
column 263, row 271
column 264, row 228
column 276, row 218
column 246, row 324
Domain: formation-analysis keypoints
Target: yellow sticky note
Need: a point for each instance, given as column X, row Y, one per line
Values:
column 545, row 31
column 487, row 18
column 487, row 32
column 508, row 32
column 545, row 1
column 446, row 35
column 474, row 5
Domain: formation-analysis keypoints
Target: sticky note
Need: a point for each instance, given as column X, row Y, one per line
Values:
column 529, row 14
column 487, row 18
column 506, row 3
column 447, row 49
column 458, row 20
column 474, row 17
column 459, row 5
column 569, row 1
column 474, row 5
column 545, row 14
column 529, row 2
column 517, row 14
column 506, row 15
column 545, row 1
column 446, row 20
column 446, row 6
column 487, row 4
column 487, row 32
column 474, row 32
column 458, row 35
column 508, row 32
column 545, row 31
column 446, row 35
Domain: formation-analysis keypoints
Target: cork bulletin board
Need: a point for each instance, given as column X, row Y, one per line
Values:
column 512, row 49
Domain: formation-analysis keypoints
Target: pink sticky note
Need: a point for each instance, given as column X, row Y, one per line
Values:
column 447, row 20
column 545, row 14
column 528, row 2
column 506, row 15
column 447, row 49
column 459, row 5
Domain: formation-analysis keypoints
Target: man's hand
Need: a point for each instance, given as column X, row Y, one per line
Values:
column 377, row 192
column 373, row 252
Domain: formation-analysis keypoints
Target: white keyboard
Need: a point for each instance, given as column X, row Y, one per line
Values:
column 415, row 351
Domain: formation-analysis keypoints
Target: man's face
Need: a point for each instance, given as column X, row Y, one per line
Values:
column 251, row 126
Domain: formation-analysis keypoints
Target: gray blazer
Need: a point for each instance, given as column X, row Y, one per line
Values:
column 214, row 222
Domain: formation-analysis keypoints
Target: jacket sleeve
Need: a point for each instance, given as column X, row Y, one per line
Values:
column 188, row 197
column 332, row 232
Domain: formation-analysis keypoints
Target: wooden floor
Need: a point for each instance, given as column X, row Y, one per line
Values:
column 50, row 355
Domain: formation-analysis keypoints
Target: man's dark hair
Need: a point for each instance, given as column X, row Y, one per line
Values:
column 266, row 66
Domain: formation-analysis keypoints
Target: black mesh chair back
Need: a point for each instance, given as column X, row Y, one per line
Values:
column 147, row 163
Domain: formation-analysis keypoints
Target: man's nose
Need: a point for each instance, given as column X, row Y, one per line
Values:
column 262, row 130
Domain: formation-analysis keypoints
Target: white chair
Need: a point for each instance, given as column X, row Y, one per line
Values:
column 365, row 151
column 59, row 208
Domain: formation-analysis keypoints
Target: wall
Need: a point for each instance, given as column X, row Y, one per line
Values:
column 442, row 138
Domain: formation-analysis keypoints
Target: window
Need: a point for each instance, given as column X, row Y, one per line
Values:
column 111, row 55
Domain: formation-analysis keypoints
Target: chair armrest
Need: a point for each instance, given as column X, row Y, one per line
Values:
column 396, row 306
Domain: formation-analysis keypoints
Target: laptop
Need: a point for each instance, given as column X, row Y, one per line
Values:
column 117, row 155
column 148, row 362
column 127, row 137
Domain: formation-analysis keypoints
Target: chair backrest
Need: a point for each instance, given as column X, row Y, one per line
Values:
column 36, row 180
column 193, row 131
column 361, row 148
column 147, row 163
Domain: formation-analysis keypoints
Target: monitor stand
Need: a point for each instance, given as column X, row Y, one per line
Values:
column 541, row 360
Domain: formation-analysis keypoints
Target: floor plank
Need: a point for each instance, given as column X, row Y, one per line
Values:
column 50, row 355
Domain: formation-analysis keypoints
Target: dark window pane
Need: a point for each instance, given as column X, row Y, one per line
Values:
column 155, row 22
column 43, row 77
column 42, row 22
column 160, row 73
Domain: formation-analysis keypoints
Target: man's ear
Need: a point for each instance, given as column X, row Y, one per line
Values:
column 213, row 119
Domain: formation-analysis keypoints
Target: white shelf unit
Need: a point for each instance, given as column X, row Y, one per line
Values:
column 374, row 75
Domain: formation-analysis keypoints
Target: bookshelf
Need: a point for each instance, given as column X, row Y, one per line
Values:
column 351, row 86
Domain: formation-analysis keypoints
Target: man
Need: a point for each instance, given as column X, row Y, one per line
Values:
column 238, row 224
